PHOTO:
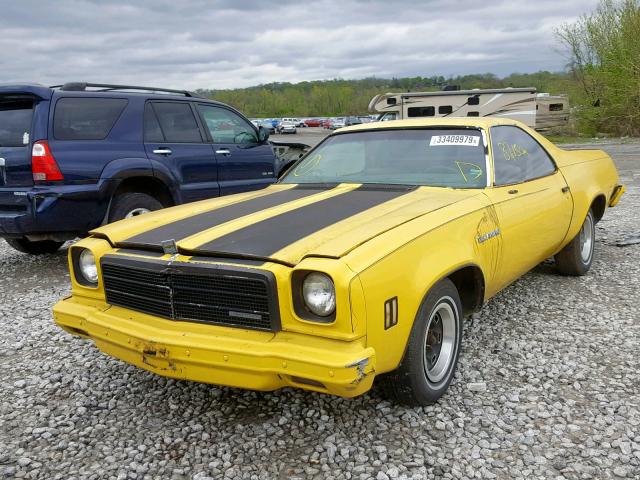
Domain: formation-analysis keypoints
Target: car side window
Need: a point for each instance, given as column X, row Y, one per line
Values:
column 517, row 157
column 226, row 126
column 152, row 130
column 86, row 118
column 177, row 122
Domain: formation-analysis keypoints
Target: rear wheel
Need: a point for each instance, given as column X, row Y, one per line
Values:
column 132, row 204
column 576, row 257
column 432, row 351
column 40, row 247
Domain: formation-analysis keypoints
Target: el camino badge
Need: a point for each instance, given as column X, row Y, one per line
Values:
column 488, row 235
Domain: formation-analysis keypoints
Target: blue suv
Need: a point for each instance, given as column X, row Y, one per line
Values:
column 76, row 156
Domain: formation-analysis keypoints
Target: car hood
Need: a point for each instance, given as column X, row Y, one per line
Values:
column 282, row 223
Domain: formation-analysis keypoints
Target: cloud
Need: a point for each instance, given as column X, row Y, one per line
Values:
column 235, row 43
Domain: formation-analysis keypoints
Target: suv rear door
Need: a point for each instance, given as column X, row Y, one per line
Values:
column 243, row 162
column 173, row 138
column 16, row 115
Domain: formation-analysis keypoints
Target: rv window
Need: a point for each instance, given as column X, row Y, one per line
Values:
column 473, row 114
column 391, row 101
column 445, row 109
column 556, row 107
column 421, row 111
column 475, row 100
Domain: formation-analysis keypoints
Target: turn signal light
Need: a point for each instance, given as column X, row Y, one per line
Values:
column 43, row 165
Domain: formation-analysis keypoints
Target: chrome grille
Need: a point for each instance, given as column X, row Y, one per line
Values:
column 244, row 298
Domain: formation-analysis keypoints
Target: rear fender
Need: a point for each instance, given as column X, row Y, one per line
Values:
column 587, row 181
column 115, row 172
column 166, row 176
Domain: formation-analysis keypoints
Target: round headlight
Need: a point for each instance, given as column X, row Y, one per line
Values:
column 319, row 294
column 88, row 267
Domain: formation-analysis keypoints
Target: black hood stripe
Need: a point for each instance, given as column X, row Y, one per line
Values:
column 264, row 238
column 186, row 227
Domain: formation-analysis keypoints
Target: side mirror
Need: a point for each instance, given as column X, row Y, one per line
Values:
column 263, row 134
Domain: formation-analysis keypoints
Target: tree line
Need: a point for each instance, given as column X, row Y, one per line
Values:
column 351, row 97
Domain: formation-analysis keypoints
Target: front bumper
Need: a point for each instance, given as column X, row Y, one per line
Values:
column 616, row 194
column 220, row 355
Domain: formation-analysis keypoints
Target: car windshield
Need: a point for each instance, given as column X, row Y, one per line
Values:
column 433, row 157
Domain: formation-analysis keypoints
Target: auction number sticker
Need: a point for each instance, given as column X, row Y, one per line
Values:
column 468, row 140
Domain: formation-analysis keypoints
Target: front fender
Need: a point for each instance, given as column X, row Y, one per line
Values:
column 410, row 271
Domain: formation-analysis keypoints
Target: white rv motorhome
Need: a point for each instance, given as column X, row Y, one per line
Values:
column 516, row 103
column 551, row 111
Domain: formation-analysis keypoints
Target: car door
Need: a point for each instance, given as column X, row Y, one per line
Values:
column 173, row 141
column 244, row 163
column 532, row 200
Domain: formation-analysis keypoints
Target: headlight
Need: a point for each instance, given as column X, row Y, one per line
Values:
column 319, row 294
column 87, row 266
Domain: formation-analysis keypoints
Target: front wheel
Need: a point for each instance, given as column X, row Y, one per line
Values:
column 432, row 351
column 40, row 247
column 576, row 257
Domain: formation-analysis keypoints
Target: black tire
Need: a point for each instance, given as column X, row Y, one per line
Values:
column 410, row 383
column 40, row 247
column 126, row 203
column 573, row 258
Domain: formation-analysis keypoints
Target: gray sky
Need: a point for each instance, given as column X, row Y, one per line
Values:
column 226, row 43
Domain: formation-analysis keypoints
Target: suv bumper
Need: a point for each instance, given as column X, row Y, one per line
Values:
column 219, row 355
column 66, row 210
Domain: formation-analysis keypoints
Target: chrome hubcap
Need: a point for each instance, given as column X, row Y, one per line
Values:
column 137, row 211
column 586, row 239
column 440, row 342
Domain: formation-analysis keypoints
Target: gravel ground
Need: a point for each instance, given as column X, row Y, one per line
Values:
column 548, row 387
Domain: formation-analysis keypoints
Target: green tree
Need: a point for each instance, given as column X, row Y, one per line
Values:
column 604, row 50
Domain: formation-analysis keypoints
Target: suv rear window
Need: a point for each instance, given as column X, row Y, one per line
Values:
column 86, row 118
column 15, row 121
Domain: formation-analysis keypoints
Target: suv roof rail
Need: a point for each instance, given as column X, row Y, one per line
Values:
column 105, row 87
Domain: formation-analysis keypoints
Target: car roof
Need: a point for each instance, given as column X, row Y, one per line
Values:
column 46, row 92
column 484, row 122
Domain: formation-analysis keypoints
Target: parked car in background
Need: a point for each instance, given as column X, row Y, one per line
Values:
column 265, row 124
column 313, row 122
column 349, row 121
column 388, row 235
column 327, row 122
column 286, row 126
column 77, row 156
column 295, row 121
column 338, row 122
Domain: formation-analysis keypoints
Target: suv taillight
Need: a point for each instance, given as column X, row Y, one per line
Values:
column 43, row 165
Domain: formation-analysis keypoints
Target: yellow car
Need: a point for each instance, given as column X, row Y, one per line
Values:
column 362, row 261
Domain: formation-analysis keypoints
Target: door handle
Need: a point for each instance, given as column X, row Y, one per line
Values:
column 565, row 189
column 513, row 192
column 162, row 151
column 223, row 151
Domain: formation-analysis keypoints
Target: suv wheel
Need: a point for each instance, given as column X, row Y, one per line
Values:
column 127, row 205
column 40, row 247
